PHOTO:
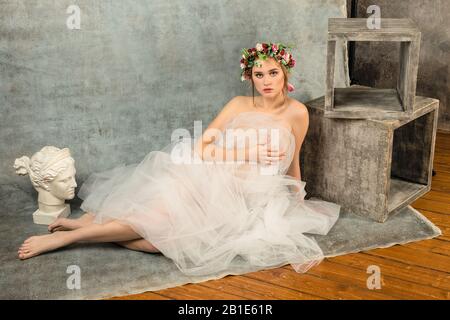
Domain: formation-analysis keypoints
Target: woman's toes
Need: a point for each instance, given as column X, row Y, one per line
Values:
column 22, row 253
column 44, row 243
column 25, row 255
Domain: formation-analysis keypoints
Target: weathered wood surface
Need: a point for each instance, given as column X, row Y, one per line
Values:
column 355, row 29
column 351, row 161
column 357, row 102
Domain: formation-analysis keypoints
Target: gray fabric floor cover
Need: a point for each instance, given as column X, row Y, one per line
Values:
column 107, row 270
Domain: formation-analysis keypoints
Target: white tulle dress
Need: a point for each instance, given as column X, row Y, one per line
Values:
column 203, row 214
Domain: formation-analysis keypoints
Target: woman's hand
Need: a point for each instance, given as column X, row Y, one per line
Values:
column 265, row 154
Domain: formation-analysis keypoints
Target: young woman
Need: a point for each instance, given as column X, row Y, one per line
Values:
column 227, row 198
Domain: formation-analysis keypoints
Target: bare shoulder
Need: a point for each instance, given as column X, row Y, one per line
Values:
column 235, row 104
column 298, row 109
column 229, row 110
column 298, row 117
column 299, row 121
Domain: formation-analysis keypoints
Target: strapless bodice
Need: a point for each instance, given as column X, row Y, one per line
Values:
column 257, row 127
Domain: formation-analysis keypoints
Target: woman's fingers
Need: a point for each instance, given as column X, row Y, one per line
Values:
column 273, row 158
column 276, row 153
column 270, row 155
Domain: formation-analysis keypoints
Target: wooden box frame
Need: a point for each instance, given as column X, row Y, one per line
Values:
column 370, row 167
column 373, row 103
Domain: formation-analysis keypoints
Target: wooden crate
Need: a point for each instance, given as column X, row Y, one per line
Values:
column 370, row 167
column 373, row 103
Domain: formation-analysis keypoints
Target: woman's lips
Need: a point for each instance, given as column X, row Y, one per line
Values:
column 267, row 90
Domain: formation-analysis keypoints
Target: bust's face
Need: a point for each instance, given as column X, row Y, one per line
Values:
column 64, row 184
column 268, row 75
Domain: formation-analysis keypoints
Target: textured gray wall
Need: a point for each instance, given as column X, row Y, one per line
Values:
column 115, row 90
column 376, row 64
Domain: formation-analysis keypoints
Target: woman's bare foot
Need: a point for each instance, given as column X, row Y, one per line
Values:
column 36, row 245
column 138, row 245
column 65, row 224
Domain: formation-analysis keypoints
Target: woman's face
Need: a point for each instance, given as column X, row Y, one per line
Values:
column 268, row 76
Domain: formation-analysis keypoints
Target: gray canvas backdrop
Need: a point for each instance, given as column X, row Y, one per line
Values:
column 136, row 70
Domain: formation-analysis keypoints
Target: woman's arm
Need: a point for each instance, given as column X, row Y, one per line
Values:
column 205, row 147
column 300, row 127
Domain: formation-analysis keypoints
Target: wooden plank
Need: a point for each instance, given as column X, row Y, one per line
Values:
column 409, row 52
column 441, row 168
column 310, row 284
column 390, row 286
column 256, row 289
column 355, row 29
column 431, row 205
column 442, row 141
column 442, row 159
column 431, row 245
column 401, row 193
column 390, row 28
column 440, row 185
column 367, row 99
column 441, row 220
column 443, row 151
column 329, row 81
column 409, row 256
column 437, row 196
column 197, row 291
column 149, row 295
column 399, row 270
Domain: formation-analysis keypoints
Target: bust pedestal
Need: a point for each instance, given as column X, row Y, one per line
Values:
column 41, row 217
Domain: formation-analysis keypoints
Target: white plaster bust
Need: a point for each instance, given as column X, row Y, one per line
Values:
column 52, row 173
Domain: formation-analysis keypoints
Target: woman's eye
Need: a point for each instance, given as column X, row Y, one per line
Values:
column 273, row 72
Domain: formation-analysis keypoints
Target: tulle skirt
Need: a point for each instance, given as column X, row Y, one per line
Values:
column 202, row 215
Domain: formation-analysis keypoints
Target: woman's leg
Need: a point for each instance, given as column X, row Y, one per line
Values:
column 113, row 231
column 65, row 224
column 138, row 245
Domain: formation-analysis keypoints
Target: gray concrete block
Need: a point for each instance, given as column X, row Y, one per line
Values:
column 371, row 167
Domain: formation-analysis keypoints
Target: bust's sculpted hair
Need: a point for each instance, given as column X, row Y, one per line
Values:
column 44, row 165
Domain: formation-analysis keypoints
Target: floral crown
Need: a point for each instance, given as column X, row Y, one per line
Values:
column 263, row 51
